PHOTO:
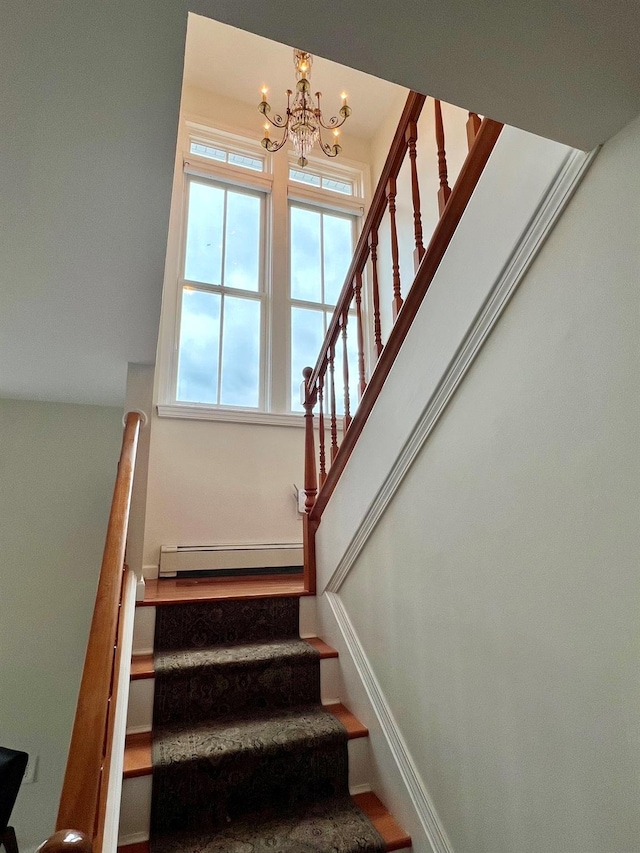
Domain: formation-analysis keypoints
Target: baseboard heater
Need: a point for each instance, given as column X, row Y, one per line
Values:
column 230, row 560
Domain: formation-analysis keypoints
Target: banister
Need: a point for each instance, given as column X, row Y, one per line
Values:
column 461, row 193
column 83, row 790
column 410, row 113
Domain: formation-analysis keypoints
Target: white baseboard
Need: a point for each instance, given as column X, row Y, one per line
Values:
column 422, row 803
column 133, row 838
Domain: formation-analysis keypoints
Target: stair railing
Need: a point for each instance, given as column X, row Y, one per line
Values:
column 327, row 412
column 88, row 812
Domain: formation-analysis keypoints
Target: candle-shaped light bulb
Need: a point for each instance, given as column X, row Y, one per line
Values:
column 336, row 133
column 266, row 130
column 264, row 91
column 344, row 98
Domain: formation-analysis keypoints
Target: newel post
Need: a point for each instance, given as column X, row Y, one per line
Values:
column 310, row 482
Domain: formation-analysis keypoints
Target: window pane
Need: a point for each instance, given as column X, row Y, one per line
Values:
column 208, row 151
column 204, row 233
column 337, row 186
column 241, row 352
column 242, row 250
column 338, row 249
column 306, row 280
column 304, row 177
column 307, row 334
column 246, row 162
column 198, row 353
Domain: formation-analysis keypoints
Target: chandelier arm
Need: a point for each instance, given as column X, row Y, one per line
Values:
column 272, row 146
column 333, row 123
column 277, row 120
column 329, row 150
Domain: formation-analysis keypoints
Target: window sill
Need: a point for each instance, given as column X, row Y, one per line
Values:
column 235, row 416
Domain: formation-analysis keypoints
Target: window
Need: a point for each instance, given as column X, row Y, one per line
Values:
column 321, row 247
column 222, row 295
column 260, row 250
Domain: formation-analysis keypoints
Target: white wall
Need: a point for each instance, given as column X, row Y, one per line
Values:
column 57, row 468
column 496, row 599
column 212, row 482
column 221, row 483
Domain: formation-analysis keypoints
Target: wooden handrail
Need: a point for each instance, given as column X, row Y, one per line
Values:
column 468, row 178
column 84, row 787
column 452, row 204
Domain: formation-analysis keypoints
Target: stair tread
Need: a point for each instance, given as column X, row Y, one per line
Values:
column 394, row 837
column 137, row 754
column 174, row 591
column 143, row 666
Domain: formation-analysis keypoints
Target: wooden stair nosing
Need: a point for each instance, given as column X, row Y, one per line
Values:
column 137, row 751
column 169, row 591
column 142, row 665
column 394, row 837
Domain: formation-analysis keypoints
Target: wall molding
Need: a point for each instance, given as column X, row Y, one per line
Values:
column 422, row 803
column 566, row 181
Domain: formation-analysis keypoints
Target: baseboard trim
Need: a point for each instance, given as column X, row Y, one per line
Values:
column 567, row 179
column 138, row 730
column 134, row 838
column 425, row 809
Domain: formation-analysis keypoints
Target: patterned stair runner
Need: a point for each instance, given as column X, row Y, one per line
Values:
column 244, row 756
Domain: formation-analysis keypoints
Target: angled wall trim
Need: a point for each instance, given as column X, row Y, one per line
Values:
column 567, row 179
column 415, row 786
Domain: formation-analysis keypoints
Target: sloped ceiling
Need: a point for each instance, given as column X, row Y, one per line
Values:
column 89, row 99
column 565, row 69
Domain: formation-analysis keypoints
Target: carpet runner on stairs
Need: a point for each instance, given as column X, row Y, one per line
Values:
column 245, row 759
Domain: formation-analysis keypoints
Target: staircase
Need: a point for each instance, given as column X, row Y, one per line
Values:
column 233, row 743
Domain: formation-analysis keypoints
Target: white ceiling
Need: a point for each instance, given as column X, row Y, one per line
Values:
column 565, row 69
column 238, row 64
column 89, row 99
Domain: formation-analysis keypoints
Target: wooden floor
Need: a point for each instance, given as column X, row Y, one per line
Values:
column 176, row 591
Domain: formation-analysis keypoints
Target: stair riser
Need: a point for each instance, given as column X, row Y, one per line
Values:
column 145, row 621
column 135, row 812
column 140, row 710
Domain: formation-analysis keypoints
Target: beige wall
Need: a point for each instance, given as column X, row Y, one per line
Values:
column 221, row 483
column 497, row 598
column 57, row 465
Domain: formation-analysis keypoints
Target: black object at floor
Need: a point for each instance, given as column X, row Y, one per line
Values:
column 13, row 763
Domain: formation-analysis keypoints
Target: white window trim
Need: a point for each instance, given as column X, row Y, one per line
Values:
column 276, row 334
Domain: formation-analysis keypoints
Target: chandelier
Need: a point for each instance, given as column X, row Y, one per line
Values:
column 303, row 121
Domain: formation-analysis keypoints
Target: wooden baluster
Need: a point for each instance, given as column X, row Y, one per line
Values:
column 323, row 469
column 362, row 382
column 332, row 391
column 392, row 190
column 377, row 328
column 445, row 190
column 473, row 126
column 345, row 372
column 411, row 138
column 310, row 480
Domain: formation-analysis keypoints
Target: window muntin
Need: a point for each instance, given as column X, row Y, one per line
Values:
column 321, row 248
column 221, row 319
